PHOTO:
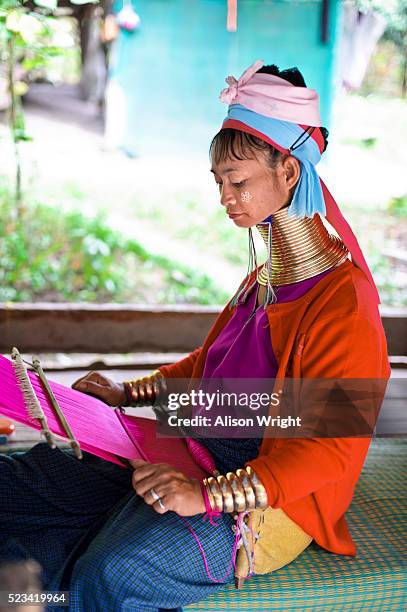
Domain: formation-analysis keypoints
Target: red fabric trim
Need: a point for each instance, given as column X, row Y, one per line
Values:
column 239, row 125
column 317, row 136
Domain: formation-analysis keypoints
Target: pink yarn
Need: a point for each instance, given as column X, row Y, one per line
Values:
column 205, row 460
column 201, row 455
column 232, row 562
column 210, row 513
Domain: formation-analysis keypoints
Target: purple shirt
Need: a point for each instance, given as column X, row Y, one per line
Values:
column 243, row 348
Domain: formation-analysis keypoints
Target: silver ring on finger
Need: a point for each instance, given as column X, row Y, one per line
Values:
column 154, row 494
column 160, row 503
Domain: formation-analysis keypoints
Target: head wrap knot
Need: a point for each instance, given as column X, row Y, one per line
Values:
column 228, row 94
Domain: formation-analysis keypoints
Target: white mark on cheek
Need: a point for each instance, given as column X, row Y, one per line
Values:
column 246, row 196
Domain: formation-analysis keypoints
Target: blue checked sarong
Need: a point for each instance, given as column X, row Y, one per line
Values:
column 93, row 536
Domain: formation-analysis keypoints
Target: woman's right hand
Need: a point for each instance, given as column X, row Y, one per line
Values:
column 106, row 389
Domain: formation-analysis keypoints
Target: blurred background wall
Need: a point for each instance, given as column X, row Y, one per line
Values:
column 171, row 69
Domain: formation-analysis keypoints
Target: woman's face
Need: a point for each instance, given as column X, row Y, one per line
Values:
column 251, row 191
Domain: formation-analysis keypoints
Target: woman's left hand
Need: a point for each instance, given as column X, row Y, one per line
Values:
column 176, row 491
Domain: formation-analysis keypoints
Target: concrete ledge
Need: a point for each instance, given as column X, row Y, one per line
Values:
column 124, row 328
column 103, row 328
column 395, row 326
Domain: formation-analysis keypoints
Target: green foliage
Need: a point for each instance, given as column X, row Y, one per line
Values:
column 66, row 256
column 28, row 40
column 185, row 219
column 7, row 5
column 398, row 206
column 391, row 286
column 33, row 35
column 363, row 143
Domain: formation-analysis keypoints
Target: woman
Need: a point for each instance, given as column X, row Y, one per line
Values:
column 308, row 312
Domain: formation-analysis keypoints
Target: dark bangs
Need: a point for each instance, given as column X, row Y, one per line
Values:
column 229, row 143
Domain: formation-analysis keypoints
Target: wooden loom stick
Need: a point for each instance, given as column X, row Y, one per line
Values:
column 65, row 425
column 33, row 406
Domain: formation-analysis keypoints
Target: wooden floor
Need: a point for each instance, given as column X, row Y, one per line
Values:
column 392, row 421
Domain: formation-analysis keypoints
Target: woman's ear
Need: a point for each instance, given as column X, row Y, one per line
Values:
column 292, row 169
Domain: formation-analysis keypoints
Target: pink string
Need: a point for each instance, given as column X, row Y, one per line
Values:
column 205, row 460
column 232, row 562
column 253, row 539
column 210, row 513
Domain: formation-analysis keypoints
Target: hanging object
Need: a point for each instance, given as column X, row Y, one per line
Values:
column 127, row 19
column 231, row 21
column 325, row 21
column 110, row 29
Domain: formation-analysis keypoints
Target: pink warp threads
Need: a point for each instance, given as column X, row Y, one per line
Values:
column 201, row 455
column 99, row 429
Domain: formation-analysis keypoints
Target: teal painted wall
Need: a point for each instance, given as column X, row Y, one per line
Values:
column 173, row 68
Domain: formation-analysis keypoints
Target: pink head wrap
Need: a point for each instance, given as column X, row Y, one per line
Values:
column 273, row 96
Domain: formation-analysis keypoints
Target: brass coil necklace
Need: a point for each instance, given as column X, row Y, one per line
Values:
column 301, row 249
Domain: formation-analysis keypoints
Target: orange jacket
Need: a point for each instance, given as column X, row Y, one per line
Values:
column 334, row 331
